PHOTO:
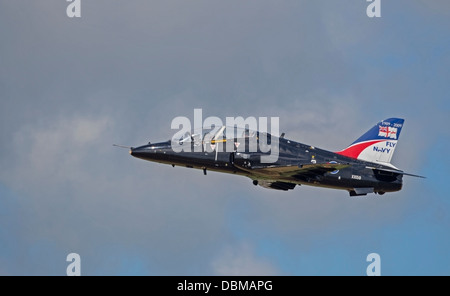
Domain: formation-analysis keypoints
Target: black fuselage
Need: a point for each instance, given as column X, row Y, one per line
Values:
column 358, row 177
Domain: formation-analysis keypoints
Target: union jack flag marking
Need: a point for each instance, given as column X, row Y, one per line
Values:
column 388, row 132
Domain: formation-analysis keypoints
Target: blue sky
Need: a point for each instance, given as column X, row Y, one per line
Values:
column 70, row 88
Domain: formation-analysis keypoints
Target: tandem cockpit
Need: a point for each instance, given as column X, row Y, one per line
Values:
column 219, row 135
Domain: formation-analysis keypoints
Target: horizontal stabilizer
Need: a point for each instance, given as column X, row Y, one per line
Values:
column 395, row 172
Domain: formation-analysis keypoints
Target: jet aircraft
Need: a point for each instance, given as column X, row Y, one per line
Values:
column 361, row 168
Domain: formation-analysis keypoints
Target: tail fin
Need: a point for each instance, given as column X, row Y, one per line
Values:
column 378, row 144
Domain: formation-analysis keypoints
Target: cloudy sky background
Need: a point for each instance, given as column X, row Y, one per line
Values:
column 70, row 88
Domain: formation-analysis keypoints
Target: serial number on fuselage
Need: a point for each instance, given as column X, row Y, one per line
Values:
column 356, row 177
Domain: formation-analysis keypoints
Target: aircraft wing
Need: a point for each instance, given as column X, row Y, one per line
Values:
column 299, row 171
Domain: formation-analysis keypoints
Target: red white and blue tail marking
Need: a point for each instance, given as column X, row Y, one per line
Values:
column 378, row 144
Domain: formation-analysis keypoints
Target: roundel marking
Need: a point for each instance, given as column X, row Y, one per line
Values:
column 336, row 171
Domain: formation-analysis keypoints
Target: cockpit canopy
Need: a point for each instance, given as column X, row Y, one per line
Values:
column 218, row 134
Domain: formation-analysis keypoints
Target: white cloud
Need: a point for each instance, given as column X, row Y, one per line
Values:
column 48, row 155
column 241, row 260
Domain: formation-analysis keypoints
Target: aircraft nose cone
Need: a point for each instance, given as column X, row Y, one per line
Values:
column 151, row 151
column 136, row 152
column 141, row 152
